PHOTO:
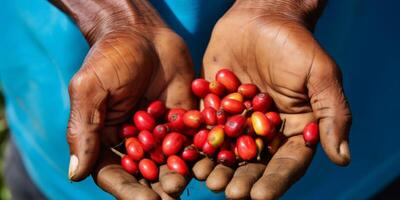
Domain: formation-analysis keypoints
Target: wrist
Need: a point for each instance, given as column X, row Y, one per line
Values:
column 97, row 19
column 305, row 12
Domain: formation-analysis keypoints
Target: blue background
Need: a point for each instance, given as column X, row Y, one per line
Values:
column 363, row 37
column 40, row 50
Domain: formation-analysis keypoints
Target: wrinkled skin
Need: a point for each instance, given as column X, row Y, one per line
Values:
column 274, row 48
column 264, row 43
column 145, row 61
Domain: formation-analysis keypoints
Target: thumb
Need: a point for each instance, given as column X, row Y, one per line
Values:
column 86, row 119
column 330, row 107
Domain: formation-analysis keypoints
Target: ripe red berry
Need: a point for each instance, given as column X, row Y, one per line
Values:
column 262, row 125
column 228, row 79
column 172, row 143
column 209, row 149
column 190, row 154
column 246, row 147
column 159, row 132
column 200, row 87
column 200, row 138
column 129, row 141
column 274, row 118
column 175, row 163
column 128, row 130
column 156, row 109
column 192, row 119
column 148, row 169
column 311, row 134
column 157, row 155
column 144, row 121
column 175, row 119
column 212, row 100
column 226, row 157
column 135, row 149
column 221, row 117
column 232, row 106
column 217, row 88
column 147, row 140
column 248, row 90
column 209, row 116
column 235, row 96
column 262, row 102
column 216, row 136
column 235, row 125
column 129, row 165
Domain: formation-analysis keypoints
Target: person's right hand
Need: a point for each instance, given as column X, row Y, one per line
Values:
column 134, row 58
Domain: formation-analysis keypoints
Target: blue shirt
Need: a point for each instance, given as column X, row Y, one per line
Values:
column 41, row 49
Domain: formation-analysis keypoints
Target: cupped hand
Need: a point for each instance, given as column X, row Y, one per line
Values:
column 123, row 67
column 269, row 43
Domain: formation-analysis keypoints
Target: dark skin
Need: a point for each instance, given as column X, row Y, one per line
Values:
column 269, row 43
column 135, row 56
column 132, row 57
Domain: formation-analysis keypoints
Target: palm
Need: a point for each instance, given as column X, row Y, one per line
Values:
column 279, row 56
column 120, row 71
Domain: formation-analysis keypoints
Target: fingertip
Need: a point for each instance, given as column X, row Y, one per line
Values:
column 235, row 190
column 261, row 190
column 344, row 153
column 219, row 178
column 338, row 153
column 84, row 150
column 203, row 168
column 171, row 182
column 243, row 179
column 73, row 167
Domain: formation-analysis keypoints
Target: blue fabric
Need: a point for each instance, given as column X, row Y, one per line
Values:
column 40, row 50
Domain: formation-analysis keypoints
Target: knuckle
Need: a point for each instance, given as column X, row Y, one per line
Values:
column 77, row 81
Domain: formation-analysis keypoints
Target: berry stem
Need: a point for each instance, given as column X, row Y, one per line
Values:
column 246, row 112
column 117, row 152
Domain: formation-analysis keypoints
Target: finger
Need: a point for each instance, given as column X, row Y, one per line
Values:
column 86, row 119
column 330, row 107
column 285, row 167
column 295, row 123
column 180, row 70
column 110, row 176
column 172, row 182
column 219, row 178
column 164, row 196
column 245, row 176
column 177, row 95
column 203, row 168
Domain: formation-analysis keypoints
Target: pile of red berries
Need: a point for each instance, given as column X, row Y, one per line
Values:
column 238, row 123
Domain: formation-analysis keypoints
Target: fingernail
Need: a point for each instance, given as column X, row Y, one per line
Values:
column 344, row 152
column 73, row 165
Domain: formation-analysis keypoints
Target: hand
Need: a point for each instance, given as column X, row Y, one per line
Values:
column 135, row 59
column 269, row 43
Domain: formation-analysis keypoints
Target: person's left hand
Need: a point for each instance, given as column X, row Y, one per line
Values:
column 269, row 43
